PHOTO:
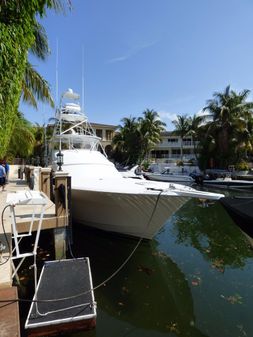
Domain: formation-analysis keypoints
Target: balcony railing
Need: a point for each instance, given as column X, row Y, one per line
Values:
column 172, row 156
column 187, row 143
column 176, row 144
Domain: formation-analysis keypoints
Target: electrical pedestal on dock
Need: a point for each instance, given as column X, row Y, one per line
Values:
column 64, row 299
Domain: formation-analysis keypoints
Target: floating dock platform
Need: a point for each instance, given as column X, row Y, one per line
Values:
column 63, row 300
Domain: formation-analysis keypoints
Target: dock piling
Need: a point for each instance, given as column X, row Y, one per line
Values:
column 45, row 175
column 62, row 214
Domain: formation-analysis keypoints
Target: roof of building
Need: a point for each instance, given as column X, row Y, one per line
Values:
column 108, row 126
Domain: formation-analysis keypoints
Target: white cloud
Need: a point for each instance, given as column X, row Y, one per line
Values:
column 167, row 118
column 202, row 113
column 118, row 59
column 167, row 115
column 132, row 52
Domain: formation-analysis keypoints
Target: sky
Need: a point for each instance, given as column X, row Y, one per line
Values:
column 166, row 55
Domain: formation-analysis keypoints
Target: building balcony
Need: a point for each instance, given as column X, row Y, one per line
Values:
column 176, row 145
column 172, row 156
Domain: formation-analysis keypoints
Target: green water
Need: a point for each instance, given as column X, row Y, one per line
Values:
column 194, row 279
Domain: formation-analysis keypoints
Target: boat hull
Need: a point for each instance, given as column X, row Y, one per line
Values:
column 229, row 184
column 240, row 210
column 129, row 214
column 170, row 178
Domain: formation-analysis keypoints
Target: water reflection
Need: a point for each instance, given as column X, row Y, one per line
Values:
column 151, row 293
column 213, row 233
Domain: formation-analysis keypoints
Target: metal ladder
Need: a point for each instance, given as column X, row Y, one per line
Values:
column 29, row 198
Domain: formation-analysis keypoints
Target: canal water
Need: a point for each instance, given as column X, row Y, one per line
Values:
column 194, row 279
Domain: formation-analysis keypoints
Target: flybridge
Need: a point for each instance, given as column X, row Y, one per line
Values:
column 72, row 127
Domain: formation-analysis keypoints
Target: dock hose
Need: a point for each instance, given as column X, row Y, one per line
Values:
column 10, row 301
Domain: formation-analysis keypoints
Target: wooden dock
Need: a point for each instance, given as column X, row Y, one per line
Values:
column 9, row 313
column 54, row 217
column 23, row 217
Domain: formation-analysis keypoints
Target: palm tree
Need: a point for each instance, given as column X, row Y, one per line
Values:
column 182, row 128
column 243, row 138
column 230, row 113
column 137, row 137
column 40, row 47
column 150, row 127
column 127, row 140
column 20, row 32
column 195, row 123
column 35, row 87
column 40, row 141
column 22, row 138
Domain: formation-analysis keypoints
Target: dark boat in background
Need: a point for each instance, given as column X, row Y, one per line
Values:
column 228, row 182
column 240, row 208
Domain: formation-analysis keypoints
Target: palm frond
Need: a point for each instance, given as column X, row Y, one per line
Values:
column 40, row 46
column 28, row 96
column 35, row 85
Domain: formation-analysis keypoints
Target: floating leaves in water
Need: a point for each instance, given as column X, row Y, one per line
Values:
column 160, row 254
column 146, row 270
column 219, row 265
column 233, row 299
column 125, row 289
column 173, row 327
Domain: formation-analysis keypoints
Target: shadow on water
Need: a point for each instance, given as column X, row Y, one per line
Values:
column 150, row 294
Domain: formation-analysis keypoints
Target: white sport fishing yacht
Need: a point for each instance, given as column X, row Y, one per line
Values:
column 101, row 197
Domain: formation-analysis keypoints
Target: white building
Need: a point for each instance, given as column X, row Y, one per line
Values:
column 169, row 149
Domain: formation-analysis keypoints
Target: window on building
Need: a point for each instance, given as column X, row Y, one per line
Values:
column 159, row 154
column 172, row 140
column 99, row 132
column 176, row 151
column 109, row 134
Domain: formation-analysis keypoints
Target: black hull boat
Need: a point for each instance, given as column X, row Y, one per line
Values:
column 241, row 211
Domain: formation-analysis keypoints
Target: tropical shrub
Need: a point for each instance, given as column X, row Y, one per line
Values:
column 17, row 35
column 180, row 163
column 242, row 166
